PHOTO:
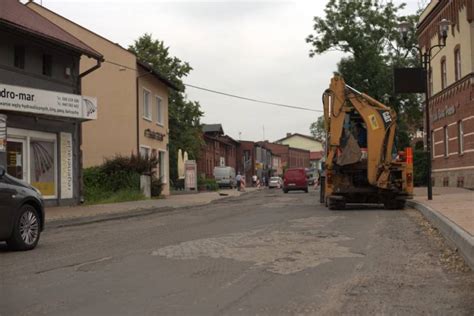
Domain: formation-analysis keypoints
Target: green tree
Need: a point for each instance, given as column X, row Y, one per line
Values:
column 367, row 30
column 184, row 115
column 317, row 129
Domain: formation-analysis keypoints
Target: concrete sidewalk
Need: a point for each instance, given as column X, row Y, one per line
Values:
column 172, row 201
column 452, row 212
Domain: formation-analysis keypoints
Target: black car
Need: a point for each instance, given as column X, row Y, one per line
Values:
column 21, row 213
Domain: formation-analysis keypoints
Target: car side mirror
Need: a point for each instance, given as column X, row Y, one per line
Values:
column 2, row 171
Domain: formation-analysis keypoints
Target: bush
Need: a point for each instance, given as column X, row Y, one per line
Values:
column 118, row 179
column 420, row 168
column 211, row 185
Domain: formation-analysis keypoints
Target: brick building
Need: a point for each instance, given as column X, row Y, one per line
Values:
column 451, row 91
column 246, row 159
column 219, row 150
column 290, row 157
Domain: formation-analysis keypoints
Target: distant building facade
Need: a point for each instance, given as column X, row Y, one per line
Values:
column 219, row 150
column 290, row 157
column 302, row 142
column 451, row 90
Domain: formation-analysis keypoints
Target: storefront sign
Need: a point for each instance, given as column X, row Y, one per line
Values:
column 190, row 175
column 154, row 135
column 3, row 133
column 442, row 113
column 66, row 166
column 22, row 99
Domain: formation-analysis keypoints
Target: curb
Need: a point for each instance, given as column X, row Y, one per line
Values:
column 138, row 212
column 455, row 235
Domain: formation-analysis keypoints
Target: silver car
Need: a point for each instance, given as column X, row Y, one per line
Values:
column 275, row 182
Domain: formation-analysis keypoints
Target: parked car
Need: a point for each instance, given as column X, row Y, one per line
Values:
column 21, row 213
column 225, row 177
column 295, row 179
column 275, row 182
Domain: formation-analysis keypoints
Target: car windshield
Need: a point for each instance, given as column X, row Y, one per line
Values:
column 274, row 178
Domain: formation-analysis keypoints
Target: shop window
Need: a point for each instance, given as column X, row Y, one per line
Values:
column 457, row 63
column 444, row 78
column 19, row 57
column 47, row 65
column 461, row 137
column 446, row 142
column 42, row 167
column 16, row 159
column 146, row 105
column 159, row 111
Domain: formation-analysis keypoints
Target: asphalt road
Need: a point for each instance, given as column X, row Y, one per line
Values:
column 264, row 253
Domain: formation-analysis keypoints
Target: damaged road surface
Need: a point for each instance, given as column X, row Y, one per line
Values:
column 265, row 253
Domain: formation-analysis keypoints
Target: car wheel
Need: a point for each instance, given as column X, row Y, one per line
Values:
column 285, row 191
column 27, row 230
column 307, row 190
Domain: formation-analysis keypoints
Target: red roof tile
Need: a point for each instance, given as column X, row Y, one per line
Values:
column 19, row 16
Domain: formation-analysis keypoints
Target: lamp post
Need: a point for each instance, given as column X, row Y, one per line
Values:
column 443, row 28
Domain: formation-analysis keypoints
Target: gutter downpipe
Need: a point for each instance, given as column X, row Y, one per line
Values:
column 97, row 66
column 79, row 132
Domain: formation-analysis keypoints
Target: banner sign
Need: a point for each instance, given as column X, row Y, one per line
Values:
column 66, row 165
column 22, row 99
column 3, row 133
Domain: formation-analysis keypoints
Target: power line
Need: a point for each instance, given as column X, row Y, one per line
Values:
column 230, row 95
column 253, row 100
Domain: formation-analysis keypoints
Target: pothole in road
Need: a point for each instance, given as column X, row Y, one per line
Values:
column 279, row 251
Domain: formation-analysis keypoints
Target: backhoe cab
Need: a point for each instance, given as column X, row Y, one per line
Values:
column 362, row 164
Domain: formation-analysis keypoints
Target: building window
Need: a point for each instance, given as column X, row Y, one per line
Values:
column 430, row 78
column 47, row 65
column 19, row 59
column 146, row 105
column 446, row 142
column 444, row 78
column 461, row 137
column 159, row 110
column 457, row 63
column 433, row 144
column 145, row 151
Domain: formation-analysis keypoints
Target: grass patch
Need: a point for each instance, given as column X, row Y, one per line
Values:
column 125, row 195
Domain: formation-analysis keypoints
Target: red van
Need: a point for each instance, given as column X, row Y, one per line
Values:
column 295, row 179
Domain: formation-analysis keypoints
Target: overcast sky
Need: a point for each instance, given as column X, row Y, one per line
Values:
column 256, row 49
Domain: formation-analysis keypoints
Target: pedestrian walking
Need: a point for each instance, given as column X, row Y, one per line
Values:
column 238, row 178
column 254, row 180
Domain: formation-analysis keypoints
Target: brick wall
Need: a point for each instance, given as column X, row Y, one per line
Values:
column 448, row 108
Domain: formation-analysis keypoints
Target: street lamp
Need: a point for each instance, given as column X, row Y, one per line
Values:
column 443, row 29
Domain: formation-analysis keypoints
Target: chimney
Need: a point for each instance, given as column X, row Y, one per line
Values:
column 288, row 134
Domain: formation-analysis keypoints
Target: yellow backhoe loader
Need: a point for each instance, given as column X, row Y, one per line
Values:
column 361, row 162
